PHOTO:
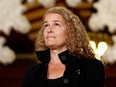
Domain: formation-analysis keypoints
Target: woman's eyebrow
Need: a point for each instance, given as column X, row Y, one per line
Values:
column 45, row 21
column 53, row 21
column 57, row 21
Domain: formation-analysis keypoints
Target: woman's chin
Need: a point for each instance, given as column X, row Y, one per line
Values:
column 51, row 46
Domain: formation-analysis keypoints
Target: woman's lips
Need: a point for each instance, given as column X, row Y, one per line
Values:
column 50, row 37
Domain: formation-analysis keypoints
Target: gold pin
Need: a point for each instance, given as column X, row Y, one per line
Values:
column 78, row 71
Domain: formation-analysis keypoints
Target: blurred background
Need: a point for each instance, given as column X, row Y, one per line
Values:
column 20, row 20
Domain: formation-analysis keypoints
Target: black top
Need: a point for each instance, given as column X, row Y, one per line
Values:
column 79, row 72
column 54, row 82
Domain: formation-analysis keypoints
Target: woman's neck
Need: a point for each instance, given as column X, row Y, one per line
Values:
column 54, row 56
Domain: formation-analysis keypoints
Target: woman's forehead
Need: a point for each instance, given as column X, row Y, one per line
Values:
column 53, row 16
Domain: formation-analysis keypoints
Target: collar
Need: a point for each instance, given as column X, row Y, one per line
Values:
column 65, row 56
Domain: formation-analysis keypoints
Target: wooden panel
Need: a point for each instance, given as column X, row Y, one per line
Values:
column 12, row 75
column 36, row 25
column 31, row 6
column 35, row 14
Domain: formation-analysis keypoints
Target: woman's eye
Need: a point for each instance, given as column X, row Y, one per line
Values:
column 56, row 24
column 46, row 25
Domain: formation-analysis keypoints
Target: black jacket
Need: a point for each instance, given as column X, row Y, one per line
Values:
column 80, row 72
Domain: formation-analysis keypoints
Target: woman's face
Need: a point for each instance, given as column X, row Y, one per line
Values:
column 55, row 31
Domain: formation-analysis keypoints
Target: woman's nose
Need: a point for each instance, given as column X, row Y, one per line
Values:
column 50, row 29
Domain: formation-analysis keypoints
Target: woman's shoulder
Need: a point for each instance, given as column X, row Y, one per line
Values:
column 34, row 68
column 88, row 61
column 92, row 63
column 31, row 73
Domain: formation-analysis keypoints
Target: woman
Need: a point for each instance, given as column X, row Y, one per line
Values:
column 66, row 59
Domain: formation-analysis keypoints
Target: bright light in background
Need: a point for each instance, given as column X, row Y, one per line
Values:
column 102, row 47
column 100, row 50
column 93, row 45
